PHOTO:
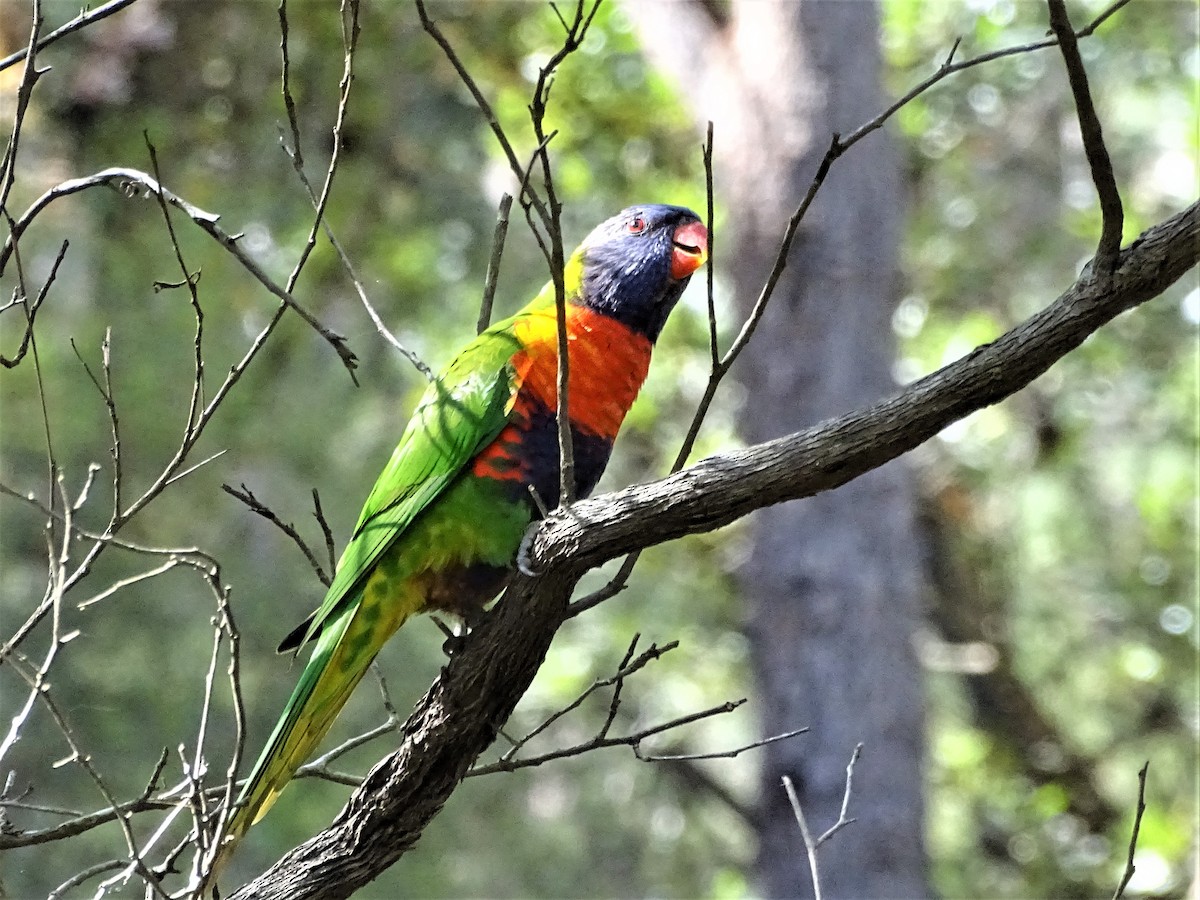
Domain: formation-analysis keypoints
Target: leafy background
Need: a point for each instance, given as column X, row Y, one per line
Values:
column 1068, row 513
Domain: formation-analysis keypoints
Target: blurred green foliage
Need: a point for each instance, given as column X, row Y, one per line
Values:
column 1076, row 501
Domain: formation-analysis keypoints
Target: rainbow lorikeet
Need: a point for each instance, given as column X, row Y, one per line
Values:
column 442, row 526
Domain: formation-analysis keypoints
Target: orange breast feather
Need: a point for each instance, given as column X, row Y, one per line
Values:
column 608, row 363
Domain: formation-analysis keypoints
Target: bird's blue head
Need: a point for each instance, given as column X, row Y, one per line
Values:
column 636, row 264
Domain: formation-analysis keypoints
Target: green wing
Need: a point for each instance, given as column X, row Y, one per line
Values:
column 462, row 411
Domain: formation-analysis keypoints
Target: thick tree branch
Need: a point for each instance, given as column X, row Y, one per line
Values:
column 722, row 488
column 462, row 712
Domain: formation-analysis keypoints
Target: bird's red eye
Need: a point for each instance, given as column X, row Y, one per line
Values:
column 637, row 225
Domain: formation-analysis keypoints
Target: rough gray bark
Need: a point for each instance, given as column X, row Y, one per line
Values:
column 479, row 687
column 832, row 585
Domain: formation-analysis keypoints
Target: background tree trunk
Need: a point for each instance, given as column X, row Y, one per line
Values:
column 832, row 584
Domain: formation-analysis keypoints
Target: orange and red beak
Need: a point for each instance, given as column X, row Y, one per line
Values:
column 690, row 249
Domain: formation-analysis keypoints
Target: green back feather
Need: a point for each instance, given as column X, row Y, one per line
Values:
column 462, row 411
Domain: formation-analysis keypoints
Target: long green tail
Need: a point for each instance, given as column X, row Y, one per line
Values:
column 344, row 650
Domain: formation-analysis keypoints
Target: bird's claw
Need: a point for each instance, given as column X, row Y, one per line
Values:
column 524, row 562
column 453, row 644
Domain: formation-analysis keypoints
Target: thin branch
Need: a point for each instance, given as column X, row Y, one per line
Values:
column 136, row 862
column 842, row 821
column 632, row 740
column 493, row 267
column 194, row 467
column 1130, row 868
column 319, row 515
column 707, row 156
column 29, row 77
column 203, row 862
column 131, row 182
column 296, row 154
column 527, row 196
column 122, row 583
column 31, row 310
column 350, row 33
column 105, row 390
column 575, row 33
column 810, row 846
column 319, row 767
column 724, row 754
column 1112, row 215
column 256, row 506
column 949, row 68
column 196, row 401
column 191, row 556
column 628, row 666
column 90, row 872
column 85, row 18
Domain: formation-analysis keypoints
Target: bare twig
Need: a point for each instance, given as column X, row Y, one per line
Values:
column 85, row 18
column 196, row 401
column 131, row 182
column 122, row 583
column 842, row 821
column 949, row 67
column 632, row 740
column 805, row 835
column 723, row 754
column 295, row 153
column 29, row 77
column 707, row 155
column 319, row 515
column 80, row 824
column 493, row 268
column 90, row 872
column 256, row 506
column 575, row 33
column 135, row 860
column 528, row 196
column 627, row 667
column 31, row 310
column 1130, row 868
column 811, row 844
column 1112, row 215
column 350, row 33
